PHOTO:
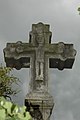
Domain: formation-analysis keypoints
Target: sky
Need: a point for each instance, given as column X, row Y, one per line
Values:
column 16, row 18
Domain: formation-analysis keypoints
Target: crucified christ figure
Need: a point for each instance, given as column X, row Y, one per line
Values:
column 40, row 58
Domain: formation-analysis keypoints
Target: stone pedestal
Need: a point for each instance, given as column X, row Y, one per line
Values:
column 40, row 105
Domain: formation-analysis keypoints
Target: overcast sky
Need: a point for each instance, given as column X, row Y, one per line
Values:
column 16, row 18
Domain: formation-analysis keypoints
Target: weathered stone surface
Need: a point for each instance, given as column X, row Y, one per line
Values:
column 36, row 55
column 43, row 103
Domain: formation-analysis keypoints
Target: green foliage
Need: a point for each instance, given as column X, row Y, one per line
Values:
column 9, row 111
column 6, row 81
column 79, row 10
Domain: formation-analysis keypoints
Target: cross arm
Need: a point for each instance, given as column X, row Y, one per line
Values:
column 61, row 55
column 17, row 54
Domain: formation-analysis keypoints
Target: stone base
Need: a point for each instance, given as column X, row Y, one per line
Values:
column 40, row 105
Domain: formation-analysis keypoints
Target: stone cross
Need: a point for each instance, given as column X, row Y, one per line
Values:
column 39, row 54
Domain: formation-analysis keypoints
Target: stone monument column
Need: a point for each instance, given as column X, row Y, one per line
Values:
column 40, row 101
column 39, row 54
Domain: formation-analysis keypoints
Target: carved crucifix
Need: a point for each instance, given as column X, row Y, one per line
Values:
column 40, row 50
column 39, row 54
